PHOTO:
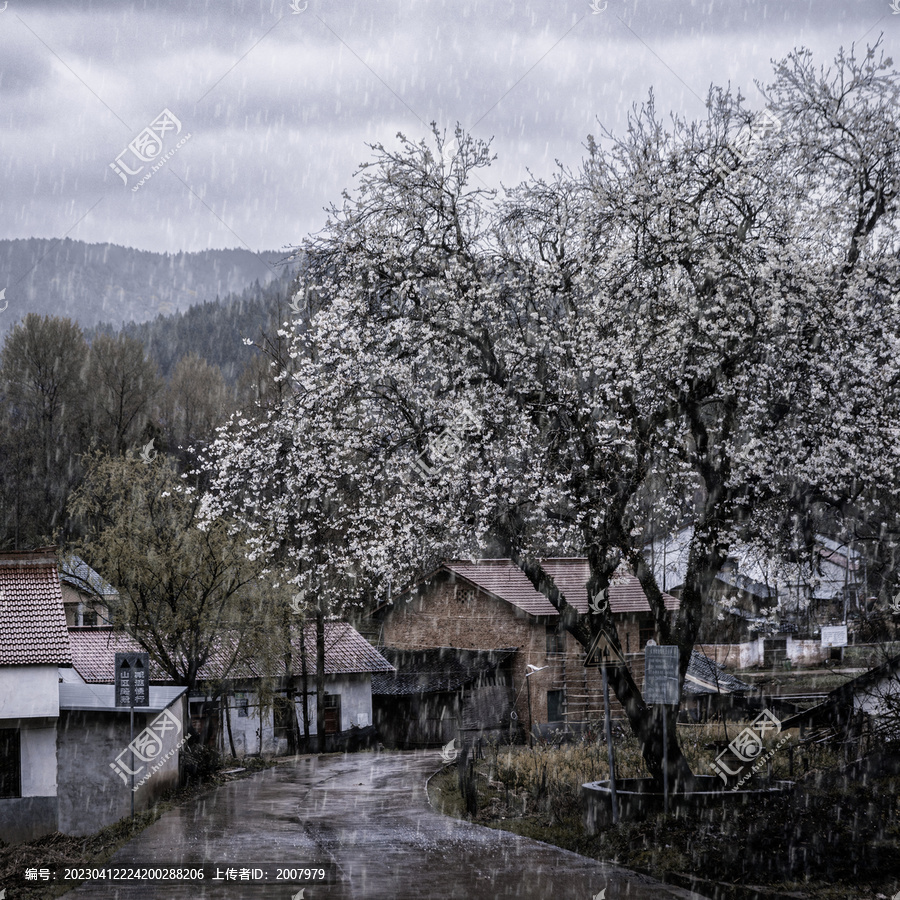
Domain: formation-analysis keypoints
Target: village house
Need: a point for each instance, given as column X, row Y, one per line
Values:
column 58, row 739
column 489, row 605
column 251, row 716
column 766, row 611
column 753, row 581
column 33, row 643
column 86, row 596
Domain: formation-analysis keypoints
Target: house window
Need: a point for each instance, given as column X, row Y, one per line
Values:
column 89, row 617
column 555, row 700
column 242, row 704
column 332, row 713
column 10, row 763
column 646, row 633
column 556, row 637
column 284, row 713
column 465, row 594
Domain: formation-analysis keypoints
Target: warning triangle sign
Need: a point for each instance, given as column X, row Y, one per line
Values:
column 604, row 651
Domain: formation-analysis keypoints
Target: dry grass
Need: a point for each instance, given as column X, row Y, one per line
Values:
column 821, row 842
column 546, row 780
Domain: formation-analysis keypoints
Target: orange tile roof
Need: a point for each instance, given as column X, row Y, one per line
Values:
column 346, row 652
column 505, row 580
column 32, row 619
column 94, row 654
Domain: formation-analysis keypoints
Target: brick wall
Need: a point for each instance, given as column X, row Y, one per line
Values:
column 454, row 614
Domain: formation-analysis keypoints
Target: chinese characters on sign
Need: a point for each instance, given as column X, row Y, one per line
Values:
column 834, row 635
column 132, row 679
column 661, row 675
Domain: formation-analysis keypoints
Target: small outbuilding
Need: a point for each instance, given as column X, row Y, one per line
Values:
column 439, row 693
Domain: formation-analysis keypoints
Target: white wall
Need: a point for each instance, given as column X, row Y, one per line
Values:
column 356, row 701
column 356, row 709
column 29, row 692
column 807, row 653
column 752, row 653
column 38, row 761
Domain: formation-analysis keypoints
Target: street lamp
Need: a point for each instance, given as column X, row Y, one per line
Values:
column 532, row 669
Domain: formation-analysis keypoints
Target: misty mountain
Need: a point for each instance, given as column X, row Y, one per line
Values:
column 94, row 283
column 214, row 330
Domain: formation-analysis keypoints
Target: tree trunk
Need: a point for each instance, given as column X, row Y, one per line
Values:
column 304, row 676
column 293, row 736
column 228, row 725
column 320, row 681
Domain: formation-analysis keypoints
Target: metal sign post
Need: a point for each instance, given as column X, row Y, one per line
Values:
column 607, row 727
column 604, row 652
column 132, row 689
column 661, row 686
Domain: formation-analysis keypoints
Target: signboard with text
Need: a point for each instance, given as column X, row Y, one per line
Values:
column 132, row 679
column 661, row 675
column 834, row 635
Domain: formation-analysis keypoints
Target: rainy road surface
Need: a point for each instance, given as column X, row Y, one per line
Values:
column 368, row 814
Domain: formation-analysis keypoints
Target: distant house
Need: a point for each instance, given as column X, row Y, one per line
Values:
column 753, row 581
column 490, row 605
column 709, row 690
column 436, row 693
column 33, row 643
column 86, row 596
column 236, row 716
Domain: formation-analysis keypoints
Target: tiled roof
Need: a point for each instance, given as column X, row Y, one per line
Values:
column 103, row 697
column 32, row 619
column 346, row 652
column 76, row 572
column 435, row 669
column 747, row 584
column 505, row 580
column 706, row 676
column 94, row 654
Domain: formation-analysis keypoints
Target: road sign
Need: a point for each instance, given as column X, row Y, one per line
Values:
column 661, row 675
column 835, row 635
column 132, row 679
column 603, row 651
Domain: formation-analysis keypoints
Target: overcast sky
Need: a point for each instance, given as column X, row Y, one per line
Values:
column 273, row 108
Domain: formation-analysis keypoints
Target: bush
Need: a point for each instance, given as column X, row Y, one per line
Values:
column 200, row 763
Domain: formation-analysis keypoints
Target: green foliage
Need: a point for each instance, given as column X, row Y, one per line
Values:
column 42, row 428
column 185, row 592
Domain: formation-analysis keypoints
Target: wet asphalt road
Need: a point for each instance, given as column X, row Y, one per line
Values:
column 368, row 815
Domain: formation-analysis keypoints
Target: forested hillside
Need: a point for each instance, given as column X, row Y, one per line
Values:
column 67, row 393
column 94, row 283
column 215, row 330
